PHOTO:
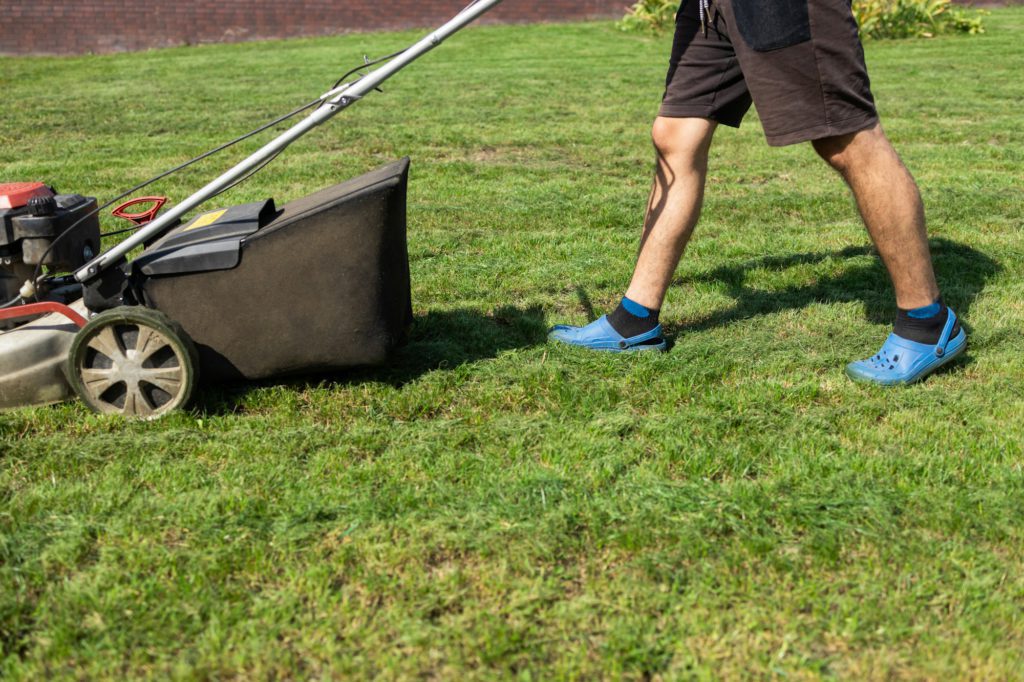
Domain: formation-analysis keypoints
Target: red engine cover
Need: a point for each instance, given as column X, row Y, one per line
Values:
column 17, row 194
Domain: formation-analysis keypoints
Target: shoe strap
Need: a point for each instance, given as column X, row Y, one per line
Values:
column 947, row 331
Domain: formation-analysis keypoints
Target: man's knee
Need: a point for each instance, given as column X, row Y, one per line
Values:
column 843, row 152
column 663, row 134
column 682, row 138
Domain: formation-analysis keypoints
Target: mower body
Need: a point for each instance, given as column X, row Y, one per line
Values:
column 319, row 285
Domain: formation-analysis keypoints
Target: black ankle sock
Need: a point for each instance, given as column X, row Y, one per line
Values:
column 632, row 319
column 924, row 325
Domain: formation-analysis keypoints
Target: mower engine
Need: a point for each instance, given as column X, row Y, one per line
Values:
column 32, row 216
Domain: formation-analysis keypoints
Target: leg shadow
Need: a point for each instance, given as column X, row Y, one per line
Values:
column 961, row 270
column 585, row 303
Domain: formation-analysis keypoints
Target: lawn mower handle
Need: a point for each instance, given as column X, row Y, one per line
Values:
column 334, row 101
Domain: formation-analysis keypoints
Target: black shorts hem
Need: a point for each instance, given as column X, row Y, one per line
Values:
column 822, row 130
column 688, row 111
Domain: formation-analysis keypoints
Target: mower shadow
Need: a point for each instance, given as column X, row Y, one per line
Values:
column 447, row 339
column 438, row 340
column 961, row 270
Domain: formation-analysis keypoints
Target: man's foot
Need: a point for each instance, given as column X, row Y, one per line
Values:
column 600, row 335
column 904, row 361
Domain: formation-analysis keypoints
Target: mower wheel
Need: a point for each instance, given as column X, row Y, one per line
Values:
column 133, row 361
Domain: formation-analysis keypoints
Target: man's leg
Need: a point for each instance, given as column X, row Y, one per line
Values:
column 672, row 211
column 927, row 334
column 704, row 87
column 682, row 146
column 890, row 204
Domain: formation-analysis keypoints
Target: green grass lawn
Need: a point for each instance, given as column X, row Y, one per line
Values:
column 489, row 506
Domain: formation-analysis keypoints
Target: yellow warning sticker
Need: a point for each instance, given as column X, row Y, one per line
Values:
column 206, row 220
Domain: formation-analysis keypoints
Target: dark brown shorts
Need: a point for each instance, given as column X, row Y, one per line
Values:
column 800, row 61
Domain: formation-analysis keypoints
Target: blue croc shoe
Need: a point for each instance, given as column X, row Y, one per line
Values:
column 902, row 361
column 600, row 335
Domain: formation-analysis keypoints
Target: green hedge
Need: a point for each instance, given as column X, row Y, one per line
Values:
column 876, row 18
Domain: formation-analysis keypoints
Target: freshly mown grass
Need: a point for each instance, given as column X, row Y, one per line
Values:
column 489, row 506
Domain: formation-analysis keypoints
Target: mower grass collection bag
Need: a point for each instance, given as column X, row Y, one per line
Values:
column 321, row 284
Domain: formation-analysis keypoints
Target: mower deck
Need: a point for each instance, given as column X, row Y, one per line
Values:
column 32, row 360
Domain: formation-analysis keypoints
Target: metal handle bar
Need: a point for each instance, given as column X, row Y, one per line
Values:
column 334, row 102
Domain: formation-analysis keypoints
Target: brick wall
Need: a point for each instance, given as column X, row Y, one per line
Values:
column 80, row 26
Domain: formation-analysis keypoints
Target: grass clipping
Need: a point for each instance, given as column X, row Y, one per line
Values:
column 876, row 18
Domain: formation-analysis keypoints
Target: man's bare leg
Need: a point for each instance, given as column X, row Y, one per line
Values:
column 682, row 146
column 890, row 204
column 672, row 212
column 926, row 335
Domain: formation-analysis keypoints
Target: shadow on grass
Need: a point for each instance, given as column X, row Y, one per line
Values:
column 438, row 340
column 447, row 339
column 962, row 273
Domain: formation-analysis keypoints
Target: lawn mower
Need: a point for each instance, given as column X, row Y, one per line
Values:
column 250, row 292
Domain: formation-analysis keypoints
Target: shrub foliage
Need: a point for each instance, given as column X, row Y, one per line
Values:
column 914, row 18
column 650, row 16
column 876, row 18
